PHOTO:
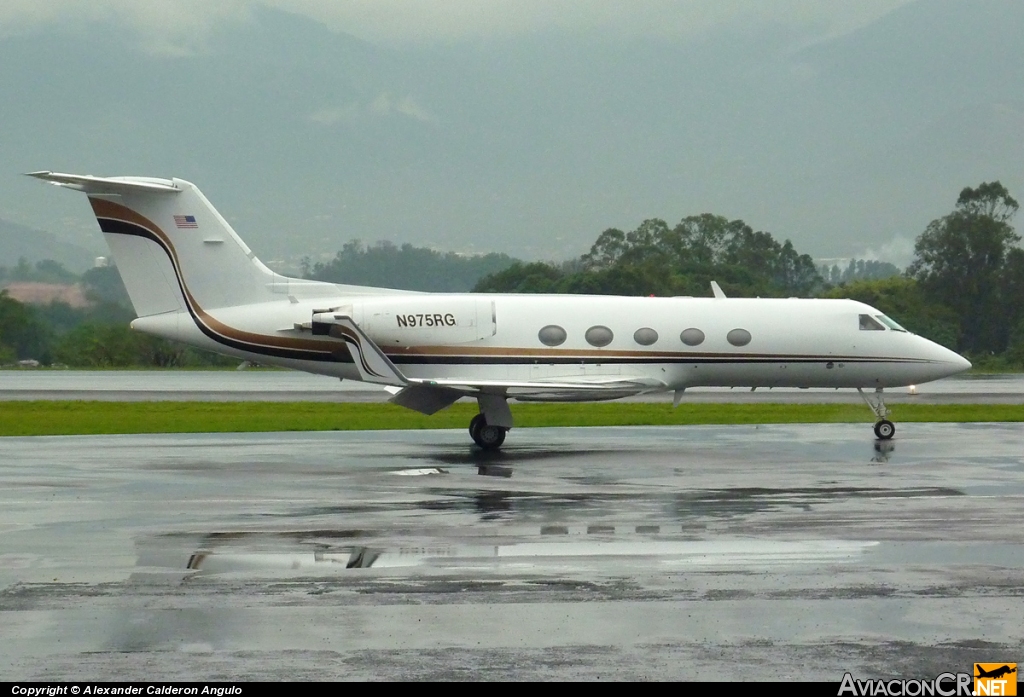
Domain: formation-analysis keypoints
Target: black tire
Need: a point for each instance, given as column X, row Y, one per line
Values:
column 475, row 425
column 491, row 437
column 885, row 429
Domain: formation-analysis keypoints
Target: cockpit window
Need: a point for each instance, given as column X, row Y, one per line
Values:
column 869, row 323
column 891, row 323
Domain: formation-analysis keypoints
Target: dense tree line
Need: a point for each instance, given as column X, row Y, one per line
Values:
column 45, row 271
column 655, row 259
column 21, row 332
column 97, row 336
column 406, row 267
column 858, row 270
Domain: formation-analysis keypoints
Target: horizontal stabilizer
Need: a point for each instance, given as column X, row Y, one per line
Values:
column 107, row 185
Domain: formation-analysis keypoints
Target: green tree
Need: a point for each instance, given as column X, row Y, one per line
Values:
column 50, row 271
column 960, row 262
column 655, row 259
column 904, row 300
column 22, row 335
column 413, row 268
column 857, row 270
column 45, row 271
column 103, row 284
column 535, row 277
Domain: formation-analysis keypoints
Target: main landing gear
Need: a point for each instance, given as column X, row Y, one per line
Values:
column 489, row 427
column 485, row 435
column 884, row 429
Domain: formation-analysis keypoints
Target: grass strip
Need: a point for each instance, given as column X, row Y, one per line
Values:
column 79, row 417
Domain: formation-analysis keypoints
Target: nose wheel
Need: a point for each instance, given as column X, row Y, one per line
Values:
column 884, row 429
column 485, row 435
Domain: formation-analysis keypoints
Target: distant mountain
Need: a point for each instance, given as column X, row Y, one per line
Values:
column 18, row 241
column 306, row 138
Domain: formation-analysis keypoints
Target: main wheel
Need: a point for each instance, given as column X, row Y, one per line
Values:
column 486, row 436
column 491, row 437
column 475, row 425
column 885, row 429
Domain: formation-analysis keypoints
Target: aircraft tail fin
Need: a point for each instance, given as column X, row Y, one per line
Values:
column 171, row 246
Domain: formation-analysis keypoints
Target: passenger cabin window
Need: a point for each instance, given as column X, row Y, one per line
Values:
column 738, row 337
column 692, row 337
column 891, row 323
column 645, row 336
column 870, row 324
column 552, row 335
column 599, row 336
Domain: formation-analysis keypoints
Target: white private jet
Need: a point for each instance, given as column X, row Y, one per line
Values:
column 192, row 279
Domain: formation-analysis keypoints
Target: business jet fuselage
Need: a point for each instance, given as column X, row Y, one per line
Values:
column 192, row 279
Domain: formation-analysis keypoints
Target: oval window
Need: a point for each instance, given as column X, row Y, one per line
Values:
column 599, row 336
column 692, row 337
column 645, row 336
column 552, row 335
column 738, row 337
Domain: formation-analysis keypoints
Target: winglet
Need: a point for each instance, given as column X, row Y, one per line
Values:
column 717, row 290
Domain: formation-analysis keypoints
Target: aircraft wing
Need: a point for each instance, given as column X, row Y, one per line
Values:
column 575, row 389
column 428, row 395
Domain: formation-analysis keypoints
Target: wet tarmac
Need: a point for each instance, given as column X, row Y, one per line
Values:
column 739, row 552
column 285, row 385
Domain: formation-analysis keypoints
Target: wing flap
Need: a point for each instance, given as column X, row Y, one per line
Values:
column 547, row 391
column 596, row 385
column 425, row 400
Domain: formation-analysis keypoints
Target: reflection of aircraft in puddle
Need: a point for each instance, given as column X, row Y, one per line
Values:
column 354, row 558
column 514, row 456
column 178, row 558
column 494, row 471
column 883, row 449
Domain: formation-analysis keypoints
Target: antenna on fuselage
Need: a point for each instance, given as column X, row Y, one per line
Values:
column 717, row 290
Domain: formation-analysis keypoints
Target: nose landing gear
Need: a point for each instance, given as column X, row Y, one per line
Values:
column 884, row 429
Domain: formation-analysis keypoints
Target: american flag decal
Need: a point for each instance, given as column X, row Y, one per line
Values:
column 185, row 221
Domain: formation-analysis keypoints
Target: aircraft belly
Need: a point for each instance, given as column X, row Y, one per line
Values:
column 823, row 374
column 549, row 371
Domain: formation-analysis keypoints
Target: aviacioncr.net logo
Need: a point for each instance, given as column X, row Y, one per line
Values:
column 943, row 685
column 995, row 679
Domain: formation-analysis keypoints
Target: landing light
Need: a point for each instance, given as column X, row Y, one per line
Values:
column 912, row 389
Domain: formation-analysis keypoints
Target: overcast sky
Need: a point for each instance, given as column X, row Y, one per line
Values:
column 417, row 21
column 520, row 126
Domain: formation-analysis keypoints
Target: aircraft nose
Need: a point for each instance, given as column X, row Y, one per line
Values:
column 962, row 363
column 954, row 361
column 944, row 362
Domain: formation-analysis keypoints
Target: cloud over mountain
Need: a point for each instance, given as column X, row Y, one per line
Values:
column 841, row 131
